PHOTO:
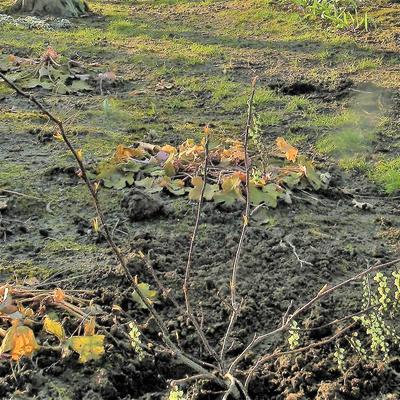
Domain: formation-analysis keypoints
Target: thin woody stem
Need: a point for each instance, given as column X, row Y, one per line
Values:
column 233, row 283
column 114, row 247
column 257, row 339
column 186, row 283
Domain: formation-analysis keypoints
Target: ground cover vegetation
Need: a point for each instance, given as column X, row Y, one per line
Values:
column 198, row 200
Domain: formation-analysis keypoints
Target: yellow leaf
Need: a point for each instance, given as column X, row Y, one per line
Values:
column 169, row 149
column 286, row 148
column 195, row 193
column 88, row 347
column 89, row 327
column 169, row 168
column 58, row 295
column 54, row 328
column 19, row 341
column 123, row 153
column 145, row 290
column 95, row 224
column 57, row 136
column 79, row 154
column 232, row 183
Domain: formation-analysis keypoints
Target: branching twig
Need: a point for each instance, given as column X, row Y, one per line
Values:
column 186, row 283
column 268, row 357
column 257, row 339
column 301, row 262
column 246, row 216
column 100, row 214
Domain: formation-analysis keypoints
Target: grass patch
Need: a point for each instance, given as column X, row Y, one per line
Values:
column 348, row 141
column 387, row 174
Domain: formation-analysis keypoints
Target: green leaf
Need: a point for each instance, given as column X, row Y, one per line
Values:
column 43, row 71
column 225, row 197
column 145, row 290
column 60, row 88
column 150, row 184
column 130, row 166
column 169, row 168
column 32, row 83
column 195, row 192
column 268, row 195
column 79, row 86
column 231, row 191
column 174, row 186
column 272, row 193
column 113, row 177
column 310, row 173
column 292, row 180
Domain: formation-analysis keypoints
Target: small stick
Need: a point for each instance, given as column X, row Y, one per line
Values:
column 20, row 194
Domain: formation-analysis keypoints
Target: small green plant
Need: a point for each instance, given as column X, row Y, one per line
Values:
column 176, row 394
column 340, row 14
column 294, row 338
column 379, row 323
column 136, row 343
column 340, row 357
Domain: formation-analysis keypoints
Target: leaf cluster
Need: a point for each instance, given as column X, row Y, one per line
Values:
column 179, row 171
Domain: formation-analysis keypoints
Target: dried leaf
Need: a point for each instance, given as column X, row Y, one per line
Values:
column 286, row 148
column 89, row 327
column 88, row 347
column 58, row 295
column 169, row 149
column 19, row 341
column 123, row 154
column 54, row 328
column 79, row 154
column 50, row 55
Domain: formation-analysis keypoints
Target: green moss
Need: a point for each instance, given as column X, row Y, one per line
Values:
column 268, row 118
column 67, row 244
column 25, row 269
column 387, row 174
column 10, row 172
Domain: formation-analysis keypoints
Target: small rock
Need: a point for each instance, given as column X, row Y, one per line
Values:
column 361, row 205
column 140, row 206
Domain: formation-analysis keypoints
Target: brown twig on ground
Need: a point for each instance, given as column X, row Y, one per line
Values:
column 233, row 284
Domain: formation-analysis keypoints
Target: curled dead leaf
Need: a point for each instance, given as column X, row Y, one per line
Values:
column 58, row 295
column 89, row 327
column 286, row 148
